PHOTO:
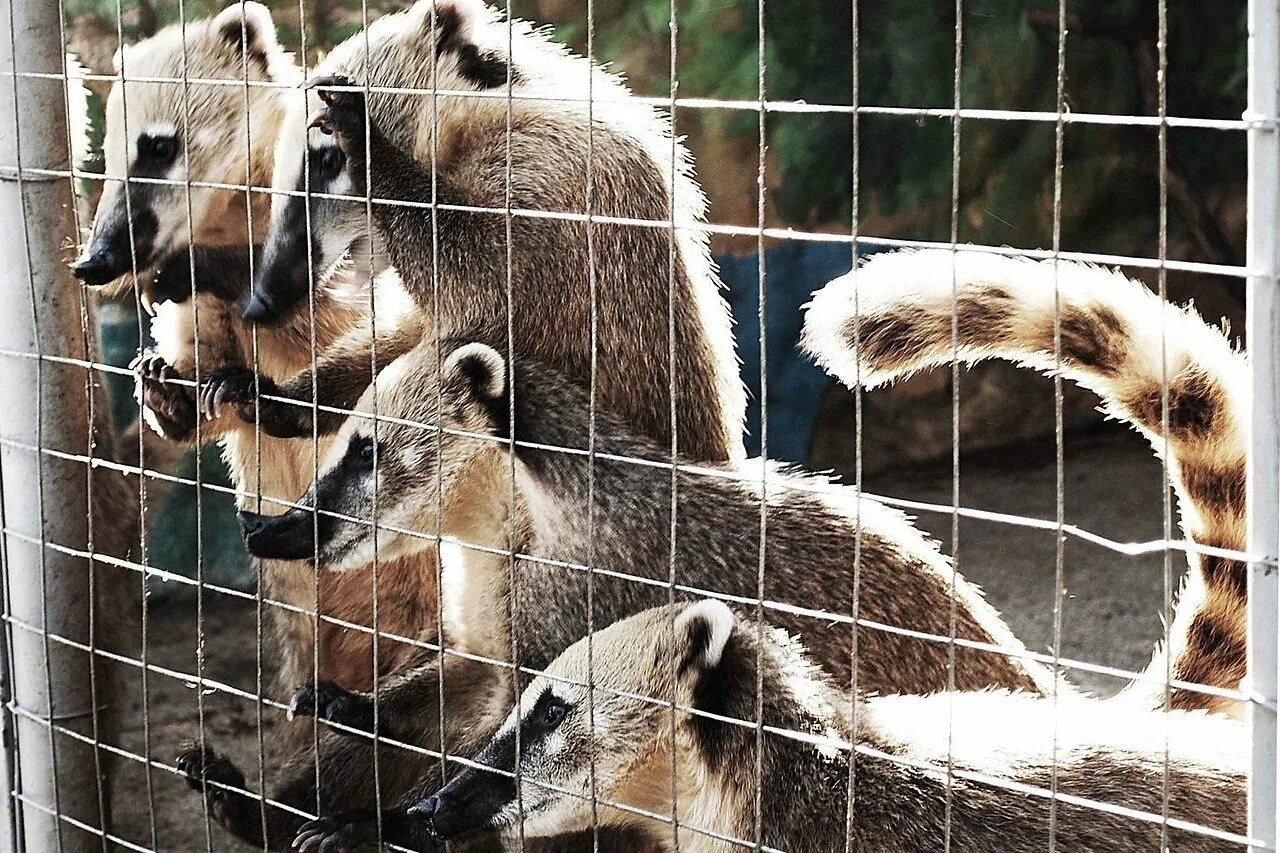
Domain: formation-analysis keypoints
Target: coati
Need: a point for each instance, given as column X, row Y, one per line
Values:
column 1113, row 331
column 929, row 773
column 219, row 134
column 455, row 45
column 159, row 133
column 613, row 158
column 812, row 554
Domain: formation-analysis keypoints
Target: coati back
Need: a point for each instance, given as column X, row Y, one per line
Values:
column 439, row 424
column 968, row 771
column 1113, row 331
column 446, row 155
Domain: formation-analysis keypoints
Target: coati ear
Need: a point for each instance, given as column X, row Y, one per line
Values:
column 477, row 371
column 702, row 630
column 251, row 22
column 454, row 26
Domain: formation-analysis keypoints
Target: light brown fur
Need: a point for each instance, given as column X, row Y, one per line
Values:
column 930, row 772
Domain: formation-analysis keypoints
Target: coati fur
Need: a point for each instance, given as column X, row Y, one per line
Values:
column 813, row 555
column 1113, row 330
column 661, row 325
column 633, row 173
column 928, row 773
column 216, row 143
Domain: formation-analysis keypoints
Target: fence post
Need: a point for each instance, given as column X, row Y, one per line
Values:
column 45, row 499
column 1264, row 460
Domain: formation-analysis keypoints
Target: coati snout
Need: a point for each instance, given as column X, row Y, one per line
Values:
column 118, row 246
column 290, row 536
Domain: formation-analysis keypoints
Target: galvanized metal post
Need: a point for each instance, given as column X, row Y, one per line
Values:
column 1264, row 461
column 43, row 405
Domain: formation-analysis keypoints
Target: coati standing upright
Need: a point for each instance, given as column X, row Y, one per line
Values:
column 456, row 44
column 969, row 772
column 1113, row 333
column 220, row 134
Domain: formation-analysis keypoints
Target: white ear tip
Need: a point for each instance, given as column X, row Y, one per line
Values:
column 718, row 619
column 494, row 372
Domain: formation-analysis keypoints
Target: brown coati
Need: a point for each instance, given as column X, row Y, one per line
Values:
column 661, row 325
column 155, row 131
column 1113, row 331
column 970, row 772
column 821, row 543
column 633, row 171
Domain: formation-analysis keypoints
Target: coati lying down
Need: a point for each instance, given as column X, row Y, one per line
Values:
column 1113, row 333
column 927, row 771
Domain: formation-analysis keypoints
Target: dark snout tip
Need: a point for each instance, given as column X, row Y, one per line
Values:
column 426, row 808
column 96, row 269
column 278, row 537
column 250, row 522
column 431, row 811
column 259, row 309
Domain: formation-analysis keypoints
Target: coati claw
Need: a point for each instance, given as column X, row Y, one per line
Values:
column 344, row 831
column 205, row 770
column 235, row 386
column 327, row 701
column 342, row 114
column 173, row 406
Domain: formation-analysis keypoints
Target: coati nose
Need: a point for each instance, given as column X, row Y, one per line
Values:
column 290, row 536
column 97, row 268
column 435, row 810
column 427, row 808
column 259, row 309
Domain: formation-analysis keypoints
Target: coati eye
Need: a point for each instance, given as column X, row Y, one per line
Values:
column 329, row 161
column 157, row 150
column 554, row 714
column 360, row 452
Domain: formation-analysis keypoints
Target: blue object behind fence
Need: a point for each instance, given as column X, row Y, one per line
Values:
column 793, row 271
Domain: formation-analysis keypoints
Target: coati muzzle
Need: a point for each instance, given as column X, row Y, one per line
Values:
column 112, row 253
column 470, row 802
column 284, row 277
column 294, row 535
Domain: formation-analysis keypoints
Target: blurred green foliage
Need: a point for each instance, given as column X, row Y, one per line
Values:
column 906, row 58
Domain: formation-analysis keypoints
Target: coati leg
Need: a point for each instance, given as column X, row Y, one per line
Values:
column 170, row 406
column 340, row 377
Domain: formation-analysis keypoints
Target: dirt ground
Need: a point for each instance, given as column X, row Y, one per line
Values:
column 1111, row 612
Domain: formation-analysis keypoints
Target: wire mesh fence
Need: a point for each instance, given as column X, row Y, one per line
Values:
column 443, row 308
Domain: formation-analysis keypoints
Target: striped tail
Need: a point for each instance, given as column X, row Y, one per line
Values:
column 1113, row 332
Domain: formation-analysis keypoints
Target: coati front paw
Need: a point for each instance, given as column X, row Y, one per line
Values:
column 232, row 386
column 342, row 114
column 171, row 406
column 215, row 775
column 327, row 701
column 340, row 832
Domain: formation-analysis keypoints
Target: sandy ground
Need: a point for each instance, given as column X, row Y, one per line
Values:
column 1110, row 616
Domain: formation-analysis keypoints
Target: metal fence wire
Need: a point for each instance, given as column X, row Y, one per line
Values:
column 429, row 648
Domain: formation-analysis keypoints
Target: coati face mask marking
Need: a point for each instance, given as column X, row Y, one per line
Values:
column 562, row 730
column 391, row 474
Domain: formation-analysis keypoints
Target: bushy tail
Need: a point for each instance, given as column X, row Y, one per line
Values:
column 1113, row 332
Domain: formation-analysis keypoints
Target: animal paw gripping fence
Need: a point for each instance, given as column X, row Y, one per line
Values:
column 414, row 509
